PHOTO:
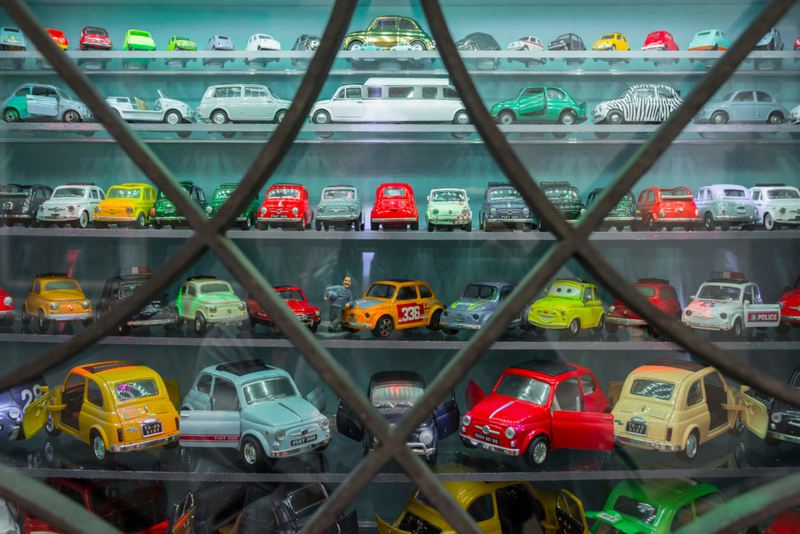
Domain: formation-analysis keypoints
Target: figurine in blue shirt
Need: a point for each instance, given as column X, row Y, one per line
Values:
column 338, row 297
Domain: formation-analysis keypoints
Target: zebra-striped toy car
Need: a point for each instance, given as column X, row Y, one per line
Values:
column 640, row 103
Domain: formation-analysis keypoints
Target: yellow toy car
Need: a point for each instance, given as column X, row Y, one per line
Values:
column 55, row 297
column 611, row 41
column 394, row 304
column 126, row 205
column 569, row 304
column 113, row 406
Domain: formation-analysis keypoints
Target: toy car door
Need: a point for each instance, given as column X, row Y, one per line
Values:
column 448, row 416
column 569, row 514
column 186, row 301
column 757, row 314
column 348, row 104
column 410, row 311
column 347, row 424
column 754, row 415
column 317, row 398
column 256, row 104
column 36, row 414
column 765, row 105
column 582, row 430
column 205, row 428
column 183, row 515
column 384, row 32
column 532, row 102
column 42, row 102
column 743, row 107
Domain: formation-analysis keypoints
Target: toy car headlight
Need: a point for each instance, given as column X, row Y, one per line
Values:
column 86, row 304
column 526, row 211
column 13, row 413
column 8, row 301
column 510, row 433
column 426, row 437
column 295, row 211
column 98, row 209
column 352, row 209
column 583, row 210
column 776, row 417
column 209, row 209
column 263, row 211
column 493, row 211
column 53, row 306
column 475, row 316
column 435, row 212
column 316, row 313
column 611, row 309
column 241, row 306
column 212, row 309
column 723, row 315
column 320, row 209
column 128, row 210
column 661, row 213
column 466, row 420
column 782, row 211
column 324, row 423
column 688, row 313
column 280, row 434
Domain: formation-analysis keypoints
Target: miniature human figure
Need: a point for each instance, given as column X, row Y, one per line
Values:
column 338, row 297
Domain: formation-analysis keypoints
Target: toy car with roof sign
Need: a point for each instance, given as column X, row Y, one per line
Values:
column 246, row 219
column 566, row 198
column 285, row 205
column 569, row 304
column 126, row 205
column 235, row 102
column 43, row 103
column 790, row 310
column 164, row 211
column 390, row 305
column 677, row 405
column 115, row 407
column 448, row 208
column 295, row 298
column 726, row 205
column 538, row 406
column 158, row 312
column 56, row 297
column 644, row 103
column 625, row 213
column 339, row 205
column 778, row 205
column 743, row 106
column 14, row 402
column 478, row 303
column 94, row 38
column 21, row 203
column 73, row 204
column 394, row 208
column 389, row 30
column 503, row 205
column 728, row 302
column 662, row 295
column 205, row 301
column 7, row 311
column 164, row 110
column 255, row 408
column 668, row 208
column 784, row 419
column 12, row 40
column 709, row 40
column 541, row 104
column 393, row 394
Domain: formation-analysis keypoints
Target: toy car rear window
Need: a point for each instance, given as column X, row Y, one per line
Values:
column 480, row 292
column 61, row 285
column 307, row 497
column 523, row 388
column 449, row 196
column 715, row 292
column 644, row 512
column 504, row 194
column 677, row 192
column 569, row 195
column 222, row 193
column 381, row 291
column 646, row 291
column 338, row 194
column 395, row 192
column 215, row 287
column 652, row 389
column 268, row 390
column 283, row 193
column 773, row 193
column 290, row 294
column 136, row 389
column 116, row 192
column 735, row 193
column 396, row 393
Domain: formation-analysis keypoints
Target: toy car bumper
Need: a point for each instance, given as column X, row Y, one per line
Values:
column 153, row 322
column 490, row 447
column 357, row 325
column 784, row 220
column 298, row 450
column 629, row 220
column 675, row 220
column 461, row 326
column 5, row 313
column 222, row 321
column 338, row 217
column 737, row 218
column 113, row 220
column 56, row 218
column 168, row 219
column 146, row 444
column 624, row 321
column 517, row 220
column 784, row 317
column 397, row 220
column 706, row 326
column 280, row 219
column 451, row 221
column 68, row 316
column 773, row 435
column 548, row 325
column 646, row 444
column 421, row 450
column 15, row 216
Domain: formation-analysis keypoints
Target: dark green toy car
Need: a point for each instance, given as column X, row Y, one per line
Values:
column 164, row 211
column 542, row 104
column 246, row 219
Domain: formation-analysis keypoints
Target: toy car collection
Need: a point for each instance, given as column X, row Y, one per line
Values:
column 566, row 199
column 503, row 205
column 662, row 295
column 205, row 301
column 21, row 203
column 479, row 301
column 94, row 39
column 246, row 219
column 126, row 205
column 56, row 297
column 394, row 208
column 73, row 204
column 668, row 208
column 569, row 304
column 743, row 106
column 625, row 213
column 726, row 205
column 164, row 110
column 385, row 32
column 448, row 208
column 640, row 103
column 784, row 420
column 790, row 308
column 542, row 104
column 778, row 205
column 164, row 211
column 295, row 298
column 285, row 205
column 43, row 103
column 339, row 205
column 158, row 312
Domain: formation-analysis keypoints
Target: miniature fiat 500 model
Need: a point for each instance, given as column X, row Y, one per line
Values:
column 307, row 42
column 339, row 205
column 14, row 402
column 285, row 205
column 139, row 41
column 784, row 419
column 164, row 211
column 710, row 40
column 677, row 405
column 778, row 205
column 566, row 42
column 219, row 43
column 43, row 103
column 569, row 304
column 786, row 522
column 55, row 297
column 542, row 104
column 126, row 504
column 394, row 208
column 394, row 393
column 790, row 310
column 479, row 41
column 73, row 204
column 59, row 38
column 115, row 407
column 251, row 406
column 668, row 208
column 393, row 100
column 246, row 219
column 660, row 41
column 625, row 213
column 448, row 208
column 566, row 199
column 502, row 204
column 662, row 295
column 771, row 41
column 726, row 205
column 539, row 406
column 12, row 40
column 206, row 302
column 526, row 44
column 390, row 305
column 259, row 42
column 164, row 110
column 295, row 298
column 611, row 41
column 180, row 43
column 728, row 302
column 478, row 303
column 241, row 103
column 387, row 31
column 94, row 38
column 7, row 310
column 126, row 205
column 647, row 103
column 21, row 203
column 157, row 312
column 743, row 106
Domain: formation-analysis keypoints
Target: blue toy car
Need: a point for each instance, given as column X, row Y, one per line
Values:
column 478, row 302
column 219, row 43
column 340, row 205
column 12, row 40
column 771, row 41
column 743, row 106
column 13, row 403
column 43, row 103
column 502, row 204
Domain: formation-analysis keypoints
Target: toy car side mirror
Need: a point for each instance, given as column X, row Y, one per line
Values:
column 428, row 198
column 545, row 291
column 693, row 297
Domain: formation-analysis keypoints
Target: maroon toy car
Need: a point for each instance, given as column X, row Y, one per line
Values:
column 93, row 38
column 285, row 205
column 658, row 292
column 659, row 41
column 7, row 311
column 539, row 406
column 790, row 313
column 295, row 298
column 668, row 208
column 394, row 207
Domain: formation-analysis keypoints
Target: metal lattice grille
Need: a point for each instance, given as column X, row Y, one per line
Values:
column 209, row 234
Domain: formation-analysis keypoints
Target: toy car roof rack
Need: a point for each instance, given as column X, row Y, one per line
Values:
column 770, row 185
column 731, row 277
column 544, row 185
column 52, row 275
column 244, row 367
column 107, row 366
column 81, row 183
column 133, row 271
column 653, row 281
column 546, row 367
column 685, row 365
column 201, row 277
column 499, row 184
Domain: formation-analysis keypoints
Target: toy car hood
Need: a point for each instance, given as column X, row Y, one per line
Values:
column 366, row 304
column 63, row 201
column 711, row 308
column 141, row 40
column 282, row 412
column 219, row 299
column 502, row 410
column 616, row 520
column 473, row 305
column 185, row 43
column 17, row 395
column 65, row 294
column 300, row 306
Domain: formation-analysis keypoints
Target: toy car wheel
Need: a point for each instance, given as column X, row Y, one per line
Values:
column 279, row 116
column 188, row 458
column 278, row 329
column 246, row 224
column 614, row 48
column 71, row 116
column 689, row 452
column 243, row 326
column 433, row 458
column 11, row 115
column 506, row 117
column 651, row 224
column 600, row 324
column 170, row 327
column 384, row 327
column 301, row 226
column 473, row 47
column 141, row 222
column 50, row 426
column 414, row 226
column 434, row 322
column 99, row 448
column 737, row 329
column 487, row 226
column 321, row 117
column 431, row 227
column 689, row 227
column 83, row 220
column 738, row 427
column 611, row 328
column 772, row 442
column 418, row 46
column 157, row 225
column 179, row 321
column 355, row 45
column 261, row 225
column 615, row 117
column 769, row 223
column 537, row 451
column 26, row 319
column 450, row 331
column 461, row 117
column 749, row 227
column 782, row 328
column 653, row 331
column 567, row 118
column 621, row 228
column 468, row 227
column 574, row 328
column 200, row 324
column 719, row 117
column 219, row 117
column 124, row 329
column 468, row 444
column 253, row 453
column 527, row 227
column 775, row 118
column 725, row 227
column 313, row 328
column 708, row 222
column 42, row 322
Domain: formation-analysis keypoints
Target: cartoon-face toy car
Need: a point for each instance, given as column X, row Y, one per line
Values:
column 569, row 304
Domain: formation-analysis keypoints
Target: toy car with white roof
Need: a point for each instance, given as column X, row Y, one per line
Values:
column 73, row 203
column 778, row 205
column 448, row 208
column 726, row 205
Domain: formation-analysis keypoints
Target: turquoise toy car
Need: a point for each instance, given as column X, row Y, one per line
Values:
column 12, row 40
column 710, row 40
column 542, row 104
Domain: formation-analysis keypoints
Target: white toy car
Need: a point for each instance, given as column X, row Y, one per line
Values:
column 778, row 205
column 729, row 302
column 73, row 203
column 164, row 110
column 261, row 42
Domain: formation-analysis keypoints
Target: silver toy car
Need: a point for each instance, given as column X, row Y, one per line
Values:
column 164, row 110
column 237, row 102
column 478, row 302
column 726, row 205
column 743, row 106
column 73, row 204
column 339, row 205
column 219, row 43
column 778, row 205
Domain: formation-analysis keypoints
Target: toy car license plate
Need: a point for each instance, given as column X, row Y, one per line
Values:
column 487, row 439
column 504, row 216
column 307, row 439
column 277, row 216
column 152, row 428
column 636, row 428
column 458, row 320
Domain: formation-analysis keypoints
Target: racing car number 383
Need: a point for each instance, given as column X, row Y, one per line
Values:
column 409, row 313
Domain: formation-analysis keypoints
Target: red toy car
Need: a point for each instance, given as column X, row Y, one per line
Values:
column 285, row 205
column 296, row 300
column 94, row 39
column 538, row 406
column 394, row 207
column 658, row 292
column 660, row 41
column 59, row 37
column 129, row 505
column 7, row 311
column 790, row 313
column 787, row 522
column 797, row 44
column 668, row 208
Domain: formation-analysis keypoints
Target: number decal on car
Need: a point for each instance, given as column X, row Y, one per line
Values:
column 28, row 396
column 409, row 313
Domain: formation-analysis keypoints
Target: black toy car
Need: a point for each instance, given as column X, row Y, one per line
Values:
column 625, row 213
column 305, row 43
column 238, row 507
column 158, row 312
column 20, row 203
column 393, row 393
column 567, row 42
column 502, row 204
column 566, row 199
column 784, row 419
column 479, row 42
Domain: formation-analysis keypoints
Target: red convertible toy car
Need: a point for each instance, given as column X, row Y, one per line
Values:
column 285, row 205
column 394, row 207
column 536, row 407
column 658, row 292
column 660, row 41
column 295, row 298
column 7, row 311
column 668, row 208
column 94, row 39
column 790, row 313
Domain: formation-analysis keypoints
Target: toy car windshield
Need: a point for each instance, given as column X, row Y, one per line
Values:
column 396, row 394
column 306, row 498
column 124, row 193
column 642, row 511
column 61, row 285
column 712, row 292
column 11, row 188
column 290, row 294
column 222, row 193
column 268, row 390
column 607, row 37
column 136, row 390
column 480, row 292
column 783, row 193
column 504, row 194
column 339, row 194
column 524, row 389
column 449, row 196
column 677, row 192
column 564, row 291
column 652, row 389
column 69, row 192
column 563, row 194
column 380, row 291
column 96, row 31
column 284, row 193
column 216, row 287
column 394, row 192
column 648, row 292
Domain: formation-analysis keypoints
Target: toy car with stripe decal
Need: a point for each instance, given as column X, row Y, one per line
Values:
column 479, row 301
column 645, row 103
column 525, row 44
column 15, row 401
column 255, row 408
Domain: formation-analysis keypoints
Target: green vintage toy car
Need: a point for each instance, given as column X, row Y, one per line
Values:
column 246, row 219
column 448, row 208
column 138, row 40
column 386, row 32
column 540, row 103
column 164, row 210
column 180, row 44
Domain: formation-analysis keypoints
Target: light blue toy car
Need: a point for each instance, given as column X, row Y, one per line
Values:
column 255, row 408
column 219, row 43
column 43, row 103
column 340, row 205
column 771, row 41
column 478, row 302
column 726, row 205
column 710, row 40
column 743, row 106
column 12, row 40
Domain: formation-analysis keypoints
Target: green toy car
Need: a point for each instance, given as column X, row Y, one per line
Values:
column 448, row 208
column 138, row 40
column 386, row 32
column 540, row 103
column 246, row 219
column 164, row 211
column 180, row 44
